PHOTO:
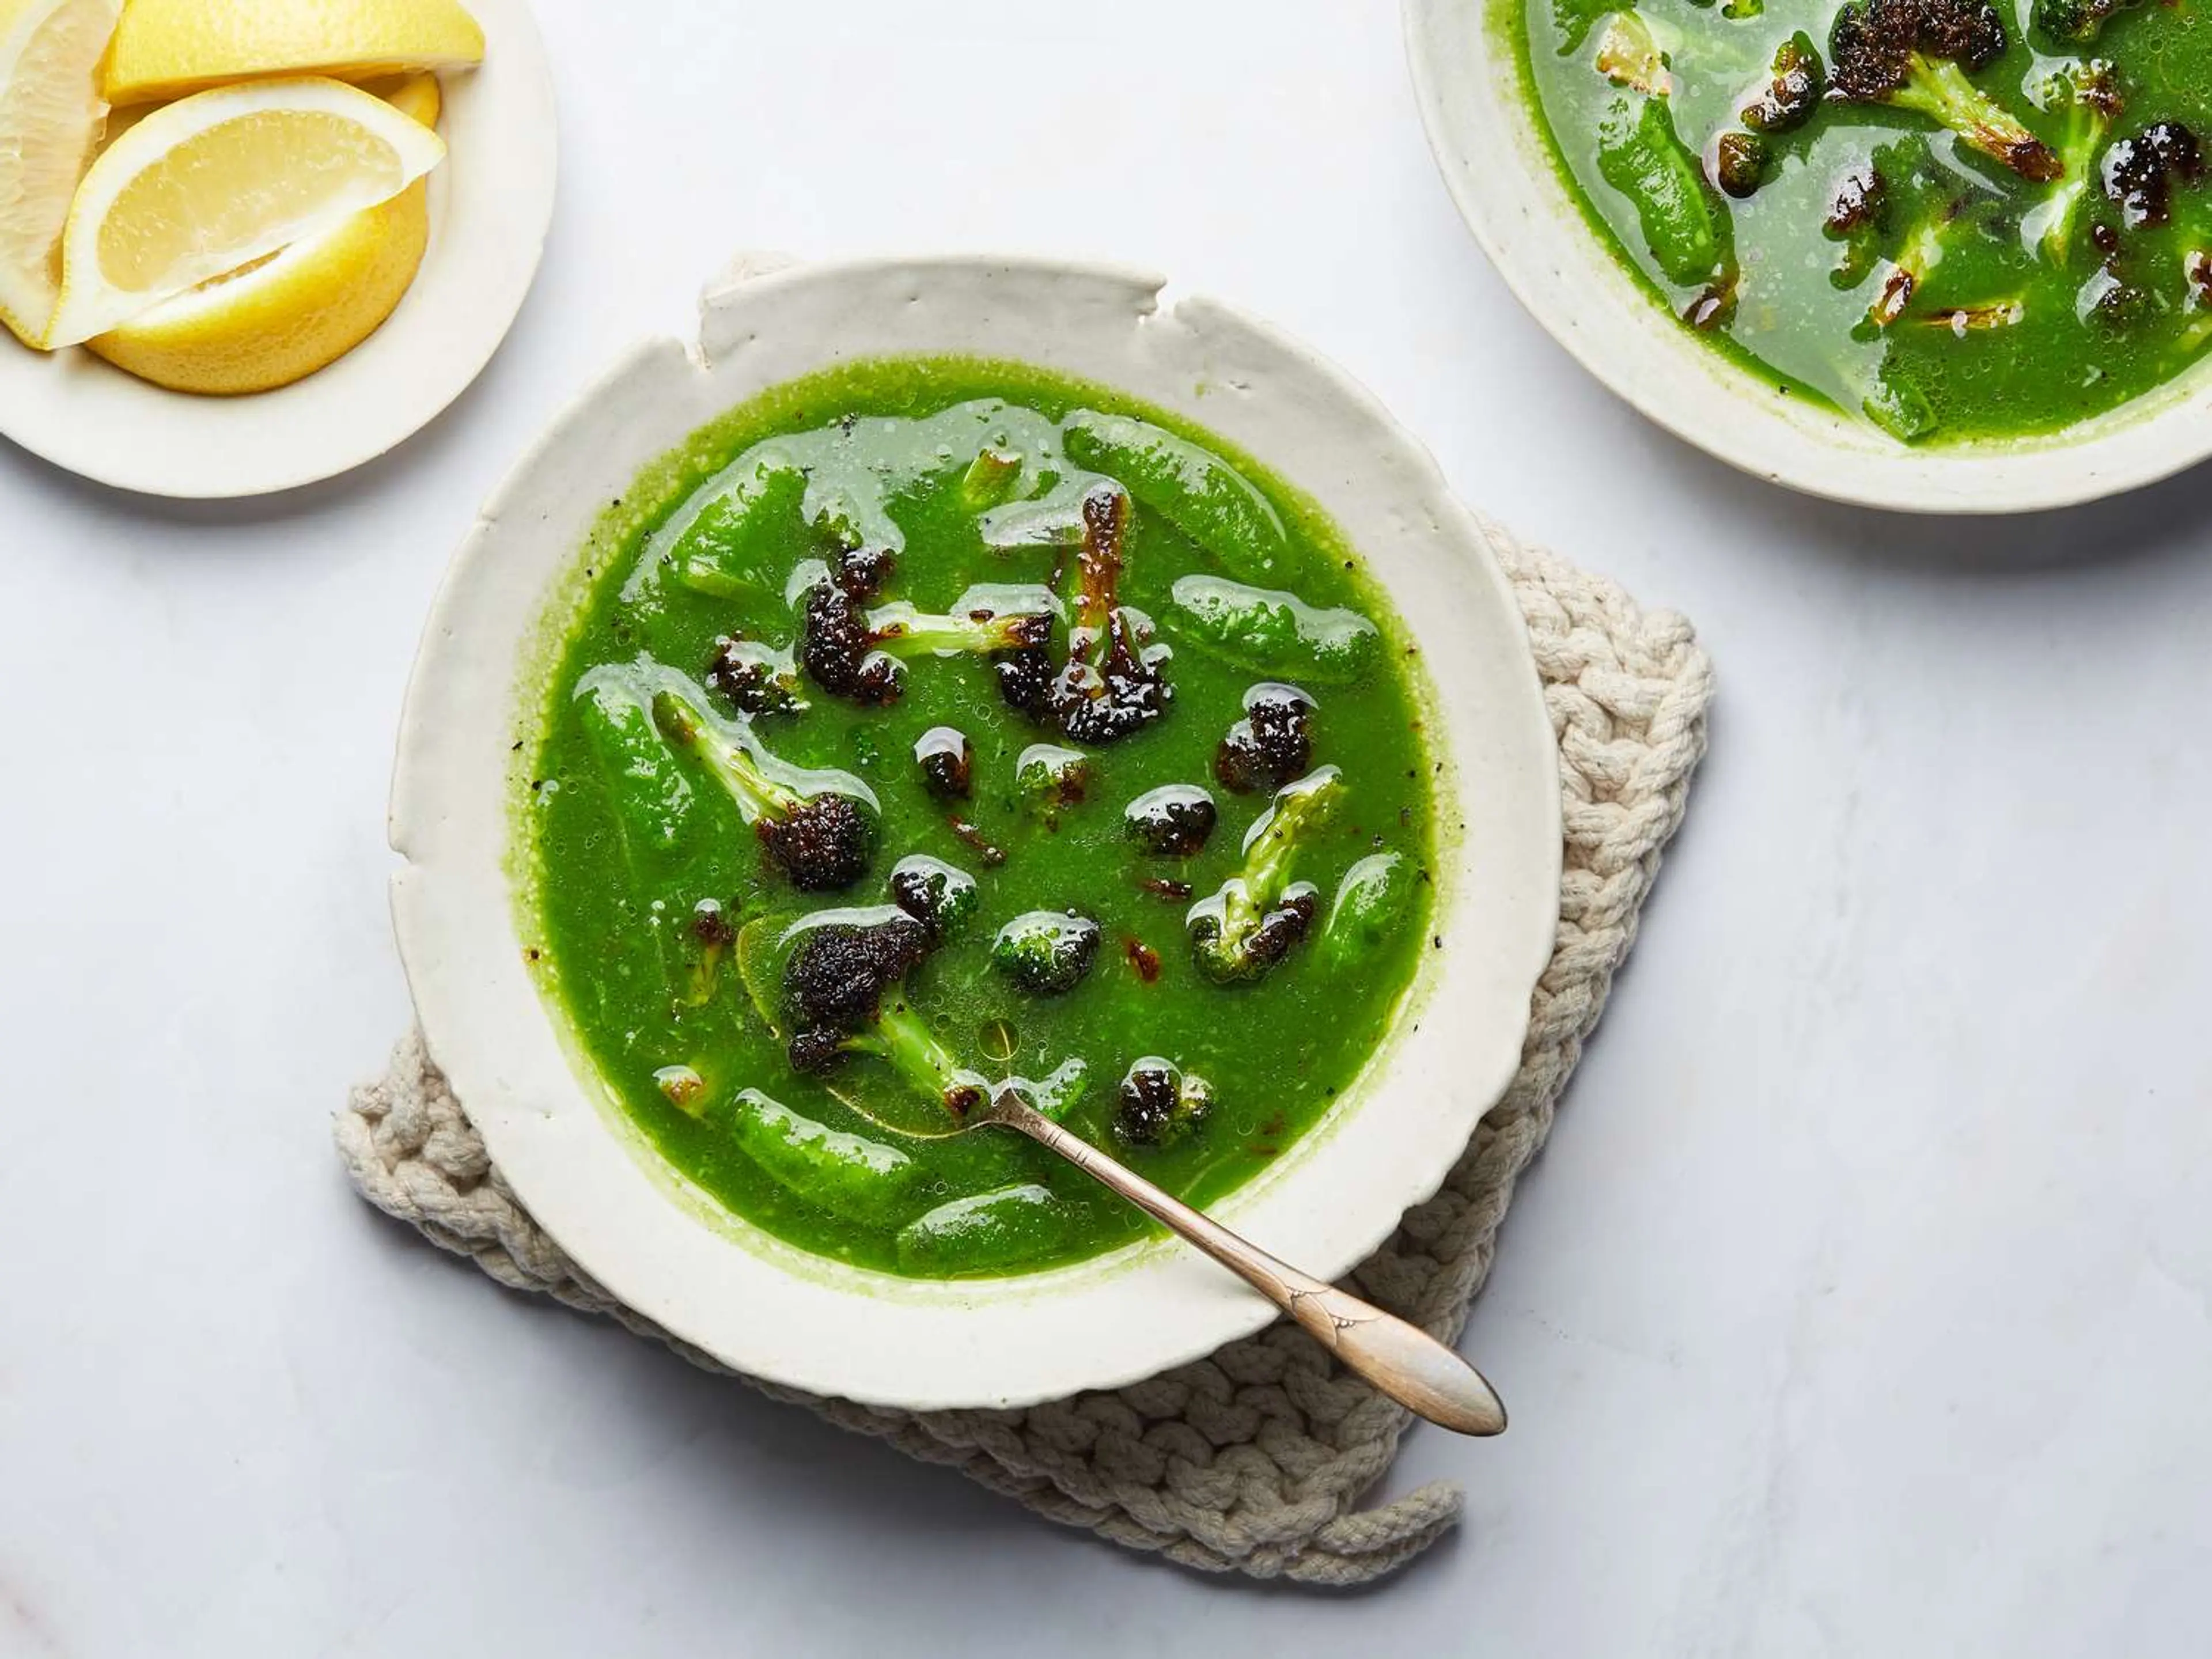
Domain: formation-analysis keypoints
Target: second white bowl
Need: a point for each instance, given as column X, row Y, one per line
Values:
column 1484, row 128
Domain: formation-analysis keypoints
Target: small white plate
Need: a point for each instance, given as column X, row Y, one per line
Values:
column 659, row 1243
column 1484, row 130
column 491, row 201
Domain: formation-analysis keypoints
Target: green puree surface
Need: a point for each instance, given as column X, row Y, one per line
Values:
column 2004, row 337
column 1277, row 1053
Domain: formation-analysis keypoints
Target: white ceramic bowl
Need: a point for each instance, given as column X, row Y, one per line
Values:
column 491, row 200
column 764, row 1306
column 1495, row 163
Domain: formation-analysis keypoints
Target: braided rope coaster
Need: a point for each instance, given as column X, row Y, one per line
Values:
column 1252, row 1460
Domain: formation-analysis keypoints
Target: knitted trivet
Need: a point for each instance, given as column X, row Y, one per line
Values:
column 1251, row 1461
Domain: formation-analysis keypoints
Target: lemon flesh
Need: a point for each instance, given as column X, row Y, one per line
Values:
column 168, row 48
column 215, row 181
column 51, row 116
column 298, row 310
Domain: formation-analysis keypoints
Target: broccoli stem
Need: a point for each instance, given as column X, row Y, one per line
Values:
column 1272, row 852
column 2090, row 103
column 1243, row 930
column 900, row 631
column 730, row 759
column 990, row 478
column 903, row 1038
column 1938, row 89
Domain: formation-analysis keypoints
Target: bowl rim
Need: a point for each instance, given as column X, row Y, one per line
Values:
column 1473, row 103
column 491, row 205
column 767, row 1309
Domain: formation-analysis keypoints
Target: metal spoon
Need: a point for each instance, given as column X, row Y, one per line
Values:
column 1400, row 1359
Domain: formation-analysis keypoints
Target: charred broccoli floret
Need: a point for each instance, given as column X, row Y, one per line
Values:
column 1113, row 683
column 1860, row 200
column 844, row 994
column 1046, row 953
column 818, row 828
column 1793, row 91
column 862, row 572
column 754, row 679
column 858, row 655
column 2076, row 22
column 1050, row 777
column 947, row 761
column 2140, row 173
column 1160, row 1103
column 2089, row 98
column 1916, row 54
column 1174, row 821
column 941, row 896
column 837, row 652
column 1740, row 163
column 1272, row 745
column 1240, row 933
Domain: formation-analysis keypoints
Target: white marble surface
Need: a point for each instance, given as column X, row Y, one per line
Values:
column 1862, row 1303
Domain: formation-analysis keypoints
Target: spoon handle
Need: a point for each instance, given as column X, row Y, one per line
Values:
column 1402, row 1360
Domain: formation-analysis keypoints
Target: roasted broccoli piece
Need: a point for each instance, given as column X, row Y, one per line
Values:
column 1174, row 821
column 2089, row 98
column 1740, row 163
column 947, row 761
column 711, row 936
column 1915, row 55
column 755, row 678
column 2140, row 173
column 819, row 827
column 837, row 652
column 1272, row 745
column 1160, row 1103
column 1050, row 777
column 1792, row 91
column 834, row 985
column 1895, row 216
column 858, row 655
column 1628, row 55
column 685, row 1088
column 1046, row 953
column 1113, row 683
column 862, row 570
column 941, row 896
column 844, row 994
column 1242, row 930
column 2076, row 22
column 990, row 478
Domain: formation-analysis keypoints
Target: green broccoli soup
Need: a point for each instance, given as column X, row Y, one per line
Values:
column 935, row 727
column 1959, row 219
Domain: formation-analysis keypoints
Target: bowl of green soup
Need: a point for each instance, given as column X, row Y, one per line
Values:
column 957, row 675
column 1941, row 255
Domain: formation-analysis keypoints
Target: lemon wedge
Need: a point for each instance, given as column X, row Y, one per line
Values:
column 167, row 48
column 217, row 181
column 50, row 115
column 298, row 310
